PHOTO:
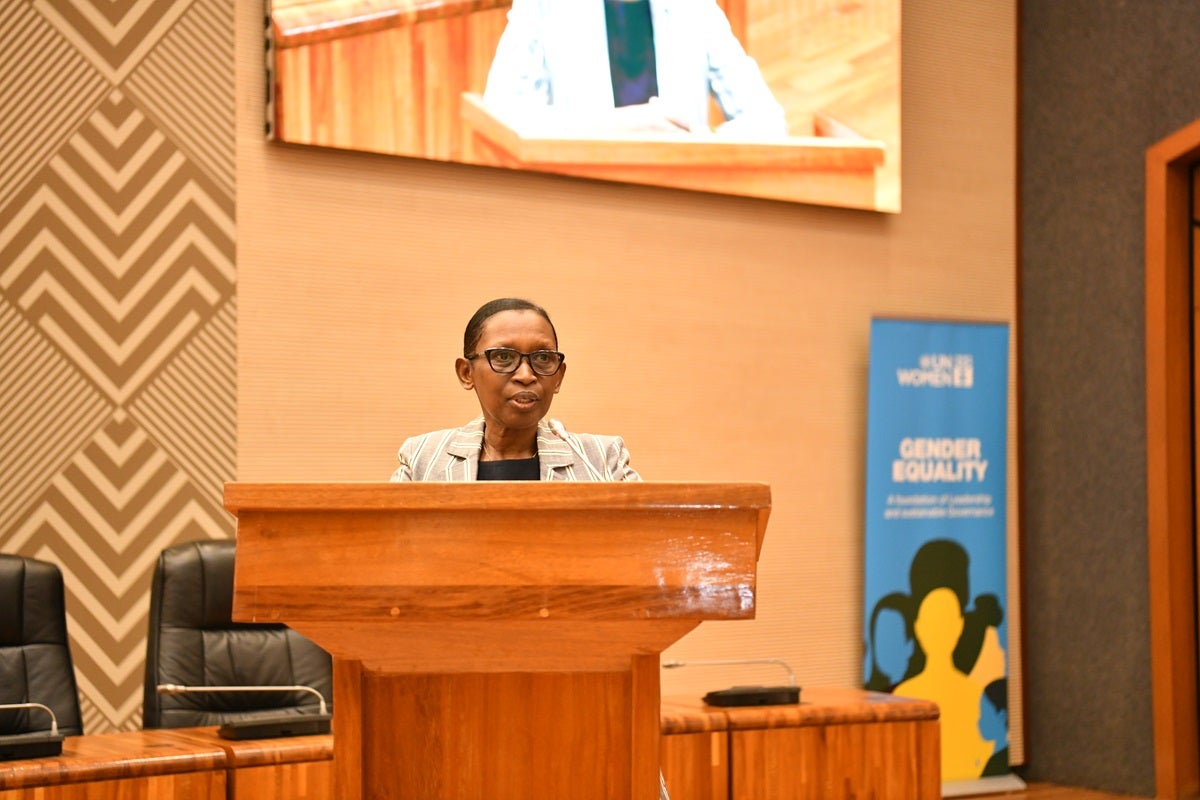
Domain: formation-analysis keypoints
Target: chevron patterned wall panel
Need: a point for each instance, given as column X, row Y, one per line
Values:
column 118, row 350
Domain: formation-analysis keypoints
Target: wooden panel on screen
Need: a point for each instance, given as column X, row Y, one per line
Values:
column 387, row 76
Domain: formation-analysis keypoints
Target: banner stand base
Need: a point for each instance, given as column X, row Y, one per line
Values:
column 990, row 785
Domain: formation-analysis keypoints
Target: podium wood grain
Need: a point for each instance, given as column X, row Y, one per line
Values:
column 496, row 638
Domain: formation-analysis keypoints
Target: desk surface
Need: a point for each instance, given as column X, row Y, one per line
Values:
column 263, row 752
column 822, row 705
column 114, row 756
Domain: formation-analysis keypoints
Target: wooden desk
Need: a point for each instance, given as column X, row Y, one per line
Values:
column 135, row 765
column 290, row 768
column 183, row 763
column 838, row 743
column 694, row 749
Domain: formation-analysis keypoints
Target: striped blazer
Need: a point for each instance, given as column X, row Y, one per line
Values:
column 453, row 455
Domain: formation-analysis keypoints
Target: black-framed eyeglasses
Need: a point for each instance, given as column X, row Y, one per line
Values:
column 506, row 360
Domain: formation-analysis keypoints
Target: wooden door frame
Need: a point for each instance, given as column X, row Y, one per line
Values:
column 1170, row 491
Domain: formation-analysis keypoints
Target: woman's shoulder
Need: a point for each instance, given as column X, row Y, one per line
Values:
column 467, row 435
column 604, row 456
column 592, row 443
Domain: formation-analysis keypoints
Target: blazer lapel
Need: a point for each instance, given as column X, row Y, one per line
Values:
column 553, row 452
column 463, row 449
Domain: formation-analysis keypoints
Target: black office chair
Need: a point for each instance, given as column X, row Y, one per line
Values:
column 193, row 643
column 35, row 659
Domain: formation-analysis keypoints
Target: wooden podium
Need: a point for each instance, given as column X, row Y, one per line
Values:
column 834, row 166
column 496, row 640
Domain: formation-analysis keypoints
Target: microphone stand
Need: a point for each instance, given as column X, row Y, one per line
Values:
column 263, row 726
column 747, row 695
column 35, row 744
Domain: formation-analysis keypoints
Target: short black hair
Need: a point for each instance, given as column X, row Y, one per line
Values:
column 491, row 308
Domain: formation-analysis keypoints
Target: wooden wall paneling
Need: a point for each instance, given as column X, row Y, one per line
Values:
column 1169, row 464
column 388, row 106
column 289, row 108
column 401, row 95
column 333, row 93
column 394, row 90
column 484, row 29
column 358, row 92
column 442, row 46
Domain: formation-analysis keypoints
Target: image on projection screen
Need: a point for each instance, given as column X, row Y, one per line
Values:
column 792, row 100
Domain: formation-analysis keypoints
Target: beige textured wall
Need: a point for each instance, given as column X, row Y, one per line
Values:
column 357, row 273
column 118, row 404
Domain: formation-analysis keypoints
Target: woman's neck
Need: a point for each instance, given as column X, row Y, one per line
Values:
column 508, row 445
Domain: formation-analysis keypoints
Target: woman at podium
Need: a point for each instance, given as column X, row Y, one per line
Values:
column 607, row 66
column 512, row 362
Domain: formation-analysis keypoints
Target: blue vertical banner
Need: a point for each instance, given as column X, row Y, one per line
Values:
column 935, row 605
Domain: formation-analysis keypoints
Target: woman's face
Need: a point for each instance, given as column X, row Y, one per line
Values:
column 519, row 399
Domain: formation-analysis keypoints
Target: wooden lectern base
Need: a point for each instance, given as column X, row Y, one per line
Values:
column 515, row 735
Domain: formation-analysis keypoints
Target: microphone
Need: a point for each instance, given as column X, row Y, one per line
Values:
column 747, row 695
column 561, row 432
column 265, row 725
column 35, row 744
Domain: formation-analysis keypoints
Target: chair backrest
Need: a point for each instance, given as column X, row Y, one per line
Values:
column 193, row 641
column 35, row 656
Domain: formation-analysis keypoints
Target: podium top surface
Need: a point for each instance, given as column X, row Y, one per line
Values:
column 507, row 574
column 496, row 495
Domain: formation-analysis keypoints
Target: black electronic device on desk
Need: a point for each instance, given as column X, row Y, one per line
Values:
column 275, row 726
column 747, row 695
column 264, row 725
column 31, row 744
